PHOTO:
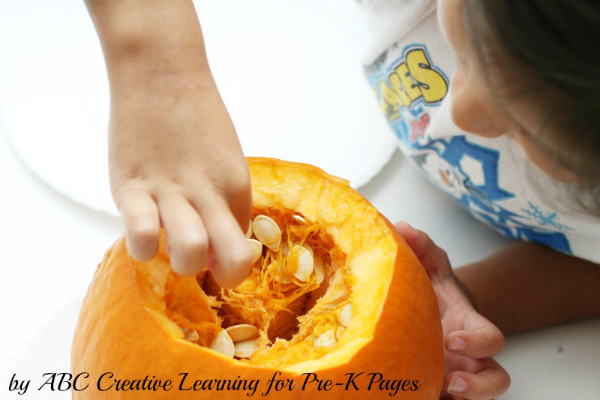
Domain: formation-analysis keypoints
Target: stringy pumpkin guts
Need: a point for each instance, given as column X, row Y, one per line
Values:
column 294, row 306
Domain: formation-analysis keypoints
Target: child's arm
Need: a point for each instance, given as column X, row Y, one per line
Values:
column 174, row 156
column 526, row 286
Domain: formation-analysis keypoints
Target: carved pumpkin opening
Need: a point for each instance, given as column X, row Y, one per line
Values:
column 298, row 317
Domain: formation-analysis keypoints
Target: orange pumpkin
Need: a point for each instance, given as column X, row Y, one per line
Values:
column 342, row 308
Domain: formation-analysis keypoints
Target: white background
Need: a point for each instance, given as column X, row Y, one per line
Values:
column 50, row 246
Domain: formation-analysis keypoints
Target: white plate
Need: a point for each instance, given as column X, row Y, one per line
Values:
column 289, row 72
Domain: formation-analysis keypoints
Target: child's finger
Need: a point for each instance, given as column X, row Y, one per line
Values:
column 490, row 382
column 186, row 234
column 484, row 342
column 432, row 257
column 228, row 244
column 142, row 224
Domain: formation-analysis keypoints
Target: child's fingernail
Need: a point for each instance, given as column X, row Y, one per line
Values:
column 457, row 385
column 457, row 343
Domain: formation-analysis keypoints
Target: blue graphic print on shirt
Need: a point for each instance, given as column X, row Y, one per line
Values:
column 468, row 172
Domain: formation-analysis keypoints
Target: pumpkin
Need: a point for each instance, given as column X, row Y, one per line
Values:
column 336, row 306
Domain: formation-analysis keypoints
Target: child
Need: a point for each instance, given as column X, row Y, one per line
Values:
column 524, row 83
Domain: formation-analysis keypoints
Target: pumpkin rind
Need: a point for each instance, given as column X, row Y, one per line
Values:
column 401, row 339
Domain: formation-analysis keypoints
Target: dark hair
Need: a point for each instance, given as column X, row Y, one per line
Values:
column 549, row 51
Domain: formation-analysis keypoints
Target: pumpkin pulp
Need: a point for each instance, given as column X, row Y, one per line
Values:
column 292, row 316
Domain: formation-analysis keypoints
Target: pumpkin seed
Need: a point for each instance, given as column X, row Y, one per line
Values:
column 190, row 334
column 345, row 315
column 267, row 232
column 326, row 339
column 249, row 231
column 299, row 219
column 339, row 332
column 306, row 264
column 223, row 344
column 241, row 332
column 319, row 270
column 285, row 250
column 245, row 349
column 256, row 247
column 305, row 260
column 307, row 247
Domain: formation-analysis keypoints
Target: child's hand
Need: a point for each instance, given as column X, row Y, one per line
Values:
column 175, row 161
column 470, row 340
column 174, row 157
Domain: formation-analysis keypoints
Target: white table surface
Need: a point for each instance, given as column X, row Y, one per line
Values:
column 50, row 247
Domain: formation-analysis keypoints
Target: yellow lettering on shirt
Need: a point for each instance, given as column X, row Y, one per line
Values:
column 405, row 100
column 412, row 79
column 432, row 84
column 389, row 101
column 411, row 87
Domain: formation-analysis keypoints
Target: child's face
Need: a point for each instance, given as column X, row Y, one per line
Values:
column 481, row 108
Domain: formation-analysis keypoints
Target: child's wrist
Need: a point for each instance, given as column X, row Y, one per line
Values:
column 136, row 50
column 149, row 35
column 148, row 65
column 139, row 79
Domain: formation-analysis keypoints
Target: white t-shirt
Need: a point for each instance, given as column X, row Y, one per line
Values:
column 409, row 67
